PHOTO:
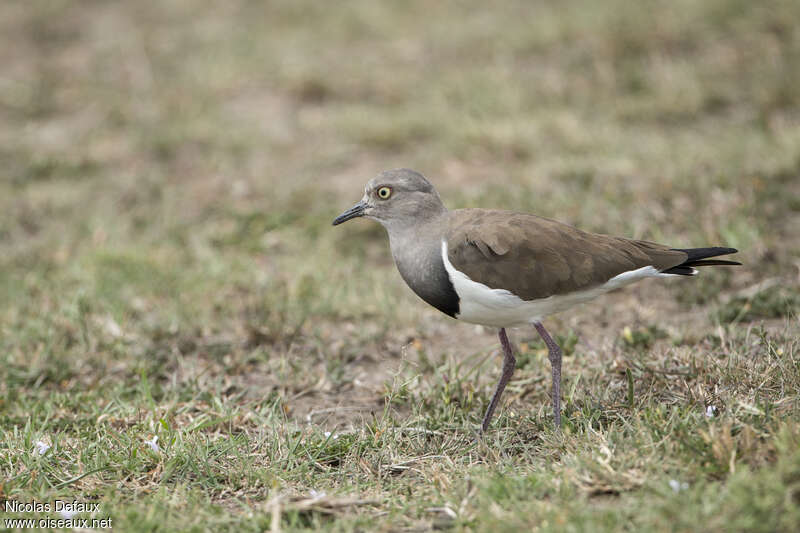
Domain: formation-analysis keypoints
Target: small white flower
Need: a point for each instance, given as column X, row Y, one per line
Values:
column 111, row 327
column 153, row 444
column 67, row 513
column 328, row 435
column 41, row 447
column 678, row 486
column 316, row 495
column 711, row 410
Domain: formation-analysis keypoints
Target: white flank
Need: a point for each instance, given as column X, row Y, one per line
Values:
column 500, row 308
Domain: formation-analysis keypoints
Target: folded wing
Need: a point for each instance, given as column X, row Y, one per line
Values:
column 535, row 257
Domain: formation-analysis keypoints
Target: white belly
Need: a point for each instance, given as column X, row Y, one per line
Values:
column 480, row 304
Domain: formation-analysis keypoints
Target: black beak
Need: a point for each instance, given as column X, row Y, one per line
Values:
column 355, row 211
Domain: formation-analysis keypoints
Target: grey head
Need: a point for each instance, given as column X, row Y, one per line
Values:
column 407, row 205
column 398, row 199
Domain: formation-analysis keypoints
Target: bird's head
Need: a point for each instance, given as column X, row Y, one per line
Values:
column 395, row 198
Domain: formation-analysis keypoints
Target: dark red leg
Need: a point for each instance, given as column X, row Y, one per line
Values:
column 508, row 370
column 555, row 363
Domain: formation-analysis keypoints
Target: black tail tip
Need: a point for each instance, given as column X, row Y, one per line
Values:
column 697, row 257
column 695, row 254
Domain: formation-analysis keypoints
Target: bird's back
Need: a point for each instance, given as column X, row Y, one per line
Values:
column 535, row 257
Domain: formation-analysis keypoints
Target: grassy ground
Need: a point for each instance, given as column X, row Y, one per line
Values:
column 168, row 269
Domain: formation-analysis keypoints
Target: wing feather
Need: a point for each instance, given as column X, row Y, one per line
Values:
column 535, row 257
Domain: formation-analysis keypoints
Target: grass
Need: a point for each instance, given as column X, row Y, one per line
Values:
column 168, row 269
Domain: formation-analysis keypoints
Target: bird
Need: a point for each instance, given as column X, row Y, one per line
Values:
column 506, row 269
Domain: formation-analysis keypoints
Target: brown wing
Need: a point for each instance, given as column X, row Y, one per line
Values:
column 536, row 257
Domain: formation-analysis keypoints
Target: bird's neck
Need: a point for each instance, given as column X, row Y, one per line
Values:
column 417, row 239
column 417, row 252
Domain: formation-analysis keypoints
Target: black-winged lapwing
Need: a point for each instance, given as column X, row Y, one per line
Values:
column 504, row 269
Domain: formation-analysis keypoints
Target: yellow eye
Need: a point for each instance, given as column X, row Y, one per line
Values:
column 384, row 193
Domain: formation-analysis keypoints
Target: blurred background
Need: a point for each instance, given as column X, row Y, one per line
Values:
column 170, row 171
